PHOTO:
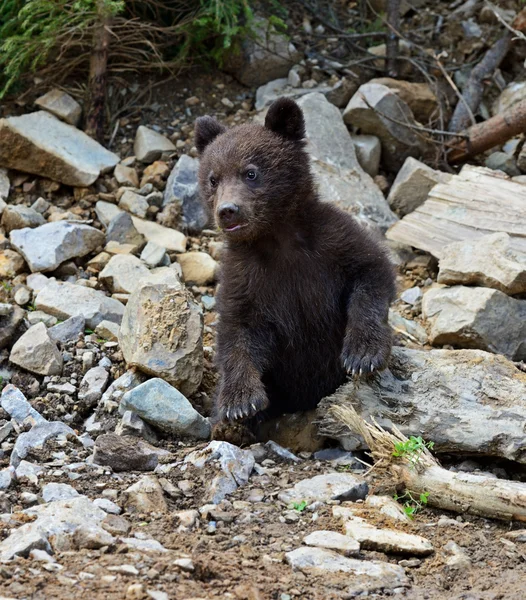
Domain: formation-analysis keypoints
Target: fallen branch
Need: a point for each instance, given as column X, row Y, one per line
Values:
column 458, row 492
column 490, row 133
column 391, row 45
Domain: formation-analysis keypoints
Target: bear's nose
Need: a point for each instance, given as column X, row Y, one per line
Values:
column 228, row 212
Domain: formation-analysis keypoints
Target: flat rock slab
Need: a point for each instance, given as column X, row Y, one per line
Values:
column 474, row 203
column 367, row 575
column 488, row 262
column 387, row 540
column 124, row 453
column 332, row 540
column 65, row 300
column 330, row 486
column 41, row 144
column 48, row 246
column 163, row 406
column 18, row 408
column 466, row 401
column 476, row 317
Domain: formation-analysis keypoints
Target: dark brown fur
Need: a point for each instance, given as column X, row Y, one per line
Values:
column 305, row 290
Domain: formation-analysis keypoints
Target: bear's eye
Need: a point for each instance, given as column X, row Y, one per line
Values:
column 251, row 175
column 213, row 181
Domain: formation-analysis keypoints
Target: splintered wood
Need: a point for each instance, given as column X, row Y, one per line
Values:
column 476, row 202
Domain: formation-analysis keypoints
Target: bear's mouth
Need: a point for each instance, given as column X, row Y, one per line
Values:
column 235, row 227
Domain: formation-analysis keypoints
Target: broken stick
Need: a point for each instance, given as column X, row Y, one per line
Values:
column 458, row 492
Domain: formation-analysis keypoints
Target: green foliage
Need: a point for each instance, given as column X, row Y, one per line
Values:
column 411, row 504
column 299, row 506
column 412, row 449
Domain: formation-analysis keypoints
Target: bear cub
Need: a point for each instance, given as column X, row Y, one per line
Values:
column 305, row 290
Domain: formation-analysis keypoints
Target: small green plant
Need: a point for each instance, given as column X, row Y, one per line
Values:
column 412, row 449
column 88, row 331
column 7, row 286
column 411, row 504
column 299, row 506
column 31, row 307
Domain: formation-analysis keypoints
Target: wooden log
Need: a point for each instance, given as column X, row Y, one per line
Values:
column 476, row 202
column 490, row 133
column 467, row 402
column 460, row 492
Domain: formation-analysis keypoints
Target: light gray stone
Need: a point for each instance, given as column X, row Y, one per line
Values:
column 48, row 246
column 18, row 408
column 92, row 537
column 476, row 317
column 153, row 254
column 123, row 273
column 107, row 506
column 500, row 161
column 124, row 453
column 377, row 110
column 29, row 471
column 387, row 540
column 149, row 145
column 143, row 545
column 5, row 185
column 36, row 437
column 38, row 316
column 198, row 267
column 65, row 300
column 52, row 492
column 367, row 575
column 93, row 385
column 126, row 175
column 69, row 330
column 19, row 217
column 161, row 333
column 339, row 176
column 61, row 105
column 134, row 203
column 164, row 407
column 488, row 261
column 236, row 466
column 41, row 144
column 278, row 88
column 388, row 507
column 120, row 228
column 131, row 424
column 7, row 476
column 412, row 185
column 368, row 151
column 146, row 496
column 412, row 295
column 329, row 486
column 401, row 325
column 22, row 296
column 333, row 540
column 108, row 330
column 265, row 56
column 37, row 352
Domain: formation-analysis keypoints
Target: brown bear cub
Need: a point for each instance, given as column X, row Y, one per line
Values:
column 305, row 290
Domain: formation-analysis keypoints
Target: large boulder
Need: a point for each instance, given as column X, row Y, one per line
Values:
column 41, row 144
column 162, row 333
column 339, row 176
column 48, row 246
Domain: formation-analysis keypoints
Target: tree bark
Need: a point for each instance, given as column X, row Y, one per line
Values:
column 391, row 47
column 96, row 92
column 490, row 133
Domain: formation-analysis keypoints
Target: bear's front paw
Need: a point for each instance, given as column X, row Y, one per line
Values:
column 365, row 352
column 241, row 402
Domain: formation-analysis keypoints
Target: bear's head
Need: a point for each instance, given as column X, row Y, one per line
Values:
column 254, row 178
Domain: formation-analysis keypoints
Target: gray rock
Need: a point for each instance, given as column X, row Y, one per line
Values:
column 92, row 537
column 36, row 437
column 457, row 558
column 367, row 575
column 7, row 476
column 37, row 352
column 108, row 506
column 42, row 144
column 19, row 217
column 116, row 525
column 378, row 110
column 69, row 330
column 38, row 316
column 121, row 229
column 164, row 407
column 126, row 175
column 5, row 309
column 488, row 261
column 412, row 295
column 266, row 56
column 28, row 471
column 9, row 325
column 476, row 318
column 500, row 161
column 125, row 383
column 332, row 540
column 149, row 145
column 412, row 185
column 278, row 88
column 61, row 105
column 22, row 296
column 144, row 545
column 131, row 424
column 236, row 467
column 134, row 203
column 108, row 331
column 93, row 385
column 281, row 452
column 468, row 402
column 6, row 430
column 37, row 281
column 123, row 273
column 368, row 151
column 65, row 300
column 5, row 185
column 182, row 188
column 161, row 333
column 146, row 496
column 388, row 507
column 330, row 486
column 53, row 520
column 123, row 453
column 18, row 408
column 52, row 492
column 401, row 325
column 387, row 540
column 153, row 254
column 48, row 246
column 340, row 178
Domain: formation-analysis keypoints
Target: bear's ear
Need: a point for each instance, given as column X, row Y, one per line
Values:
column 285, row 118
column 206, row 130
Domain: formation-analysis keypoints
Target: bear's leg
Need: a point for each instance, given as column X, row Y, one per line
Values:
column 368, row 339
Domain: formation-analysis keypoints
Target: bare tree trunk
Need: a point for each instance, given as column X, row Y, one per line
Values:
column 490, row 133
column 393, row 22
column 96, row 92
